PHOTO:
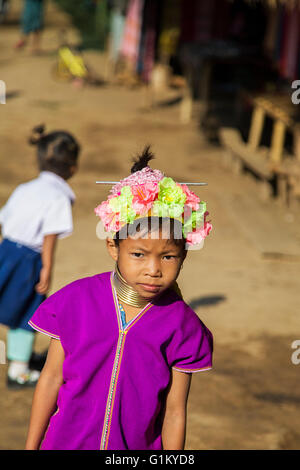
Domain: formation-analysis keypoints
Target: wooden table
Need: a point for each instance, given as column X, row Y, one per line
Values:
column 280, row 108
column 282, row 111
column 272, row 164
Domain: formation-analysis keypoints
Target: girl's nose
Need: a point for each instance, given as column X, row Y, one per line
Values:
column 154, row 268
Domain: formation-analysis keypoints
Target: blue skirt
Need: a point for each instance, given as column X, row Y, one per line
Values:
column 32, row 18
column 19, row 273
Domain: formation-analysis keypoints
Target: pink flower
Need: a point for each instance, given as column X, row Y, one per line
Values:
column 143, row 196
column 199, row 234
column 194, row 237
column 146, row 175
column 192, row 199
column 109, row 218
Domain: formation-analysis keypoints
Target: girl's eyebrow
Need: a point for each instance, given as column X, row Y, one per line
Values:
column 146, row 251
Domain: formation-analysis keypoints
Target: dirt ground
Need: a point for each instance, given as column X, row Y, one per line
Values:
column 250, row 301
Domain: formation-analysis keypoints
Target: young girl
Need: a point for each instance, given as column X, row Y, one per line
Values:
column 124, row 343
column 36, row 214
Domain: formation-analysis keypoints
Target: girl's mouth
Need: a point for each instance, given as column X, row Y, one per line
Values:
column 150, row 288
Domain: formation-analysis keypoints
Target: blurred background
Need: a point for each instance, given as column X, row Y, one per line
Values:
column 212, row 86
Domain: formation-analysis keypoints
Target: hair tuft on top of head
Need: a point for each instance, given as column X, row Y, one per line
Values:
column 36, row 134
column 141, row 160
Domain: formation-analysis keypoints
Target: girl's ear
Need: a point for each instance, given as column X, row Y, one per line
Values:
column 74, row 169
column 112, row 249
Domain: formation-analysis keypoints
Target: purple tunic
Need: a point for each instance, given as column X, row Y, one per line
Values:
column 115, row 378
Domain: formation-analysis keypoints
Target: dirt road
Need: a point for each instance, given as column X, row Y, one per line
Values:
column 250, row 400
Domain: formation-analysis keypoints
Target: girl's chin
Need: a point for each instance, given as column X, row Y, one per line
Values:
column 149, row 294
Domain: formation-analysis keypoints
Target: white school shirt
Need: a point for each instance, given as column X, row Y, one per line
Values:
column 40, row 207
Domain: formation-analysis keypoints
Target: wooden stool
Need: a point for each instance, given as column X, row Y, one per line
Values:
column 265, row 163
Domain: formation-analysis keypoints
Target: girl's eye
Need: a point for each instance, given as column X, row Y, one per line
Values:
column 137, row 254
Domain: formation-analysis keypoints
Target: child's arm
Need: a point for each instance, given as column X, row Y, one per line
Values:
column 174, row 424
column 45, row 395
column 49, row 244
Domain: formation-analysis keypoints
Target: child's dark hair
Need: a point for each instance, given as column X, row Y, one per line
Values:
column 140, row 162
column 142, row 159
column 57, row 151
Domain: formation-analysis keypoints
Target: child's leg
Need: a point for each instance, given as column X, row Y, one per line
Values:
column 36, row 41
column 19, row 350
column 21, row 42
column 19, row 344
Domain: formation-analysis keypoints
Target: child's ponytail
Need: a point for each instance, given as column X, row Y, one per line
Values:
column 37, row 134
column 142, row 159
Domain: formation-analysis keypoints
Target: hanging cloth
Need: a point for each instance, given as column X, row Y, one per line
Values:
column 284, row 43
column 292, row 44
column 132, row 31
column 169, row 30
column 269, row 43
column 117, row 23
column 147, row 51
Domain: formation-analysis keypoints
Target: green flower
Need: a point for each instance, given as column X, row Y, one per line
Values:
column 123, row 205
column 197, row 216
column 196, row 219
column 161, row 209
column 170, row 192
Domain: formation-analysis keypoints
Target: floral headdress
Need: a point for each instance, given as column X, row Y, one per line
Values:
column 147, row 192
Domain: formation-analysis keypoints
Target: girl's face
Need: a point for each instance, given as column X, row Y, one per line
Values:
column 148, row 265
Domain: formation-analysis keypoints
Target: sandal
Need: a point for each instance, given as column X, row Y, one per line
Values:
column 23, row 381
column 20, row 44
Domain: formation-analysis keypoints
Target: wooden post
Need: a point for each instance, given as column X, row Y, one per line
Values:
column 205, row 83
column 277, row 141
column 256, row 128
column 186, row 106
column 282, row 188
column 296, row 145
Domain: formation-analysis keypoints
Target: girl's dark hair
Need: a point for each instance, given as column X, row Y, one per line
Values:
column 142, row 159
column 140, row 162
column 57, row 151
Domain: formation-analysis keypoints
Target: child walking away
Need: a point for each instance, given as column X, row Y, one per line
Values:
column 124, row 343
column 36, row 214
column 32, row 23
